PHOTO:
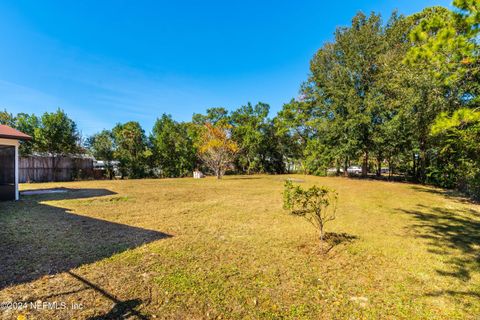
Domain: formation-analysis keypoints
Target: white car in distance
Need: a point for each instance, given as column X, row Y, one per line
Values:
column 354, row 170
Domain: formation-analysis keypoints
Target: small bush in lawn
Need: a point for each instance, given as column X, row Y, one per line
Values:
column 316, row 204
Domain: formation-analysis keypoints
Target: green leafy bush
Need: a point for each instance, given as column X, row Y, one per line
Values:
column 316, row 204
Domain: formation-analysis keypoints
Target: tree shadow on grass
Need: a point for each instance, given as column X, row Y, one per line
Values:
column 244, row 177
column 330, row 241
column 120, row 309
column 123, row 310
column 450, row 194
column 334, row 239
column 454, row 293
column 454, row 234
column 39, row 239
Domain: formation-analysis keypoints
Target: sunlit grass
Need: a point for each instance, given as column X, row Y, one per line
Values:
column 231, row 251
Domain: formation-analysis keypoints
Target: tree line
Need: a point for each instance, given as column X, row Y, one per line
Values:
column 242, row 141
column 400, row 94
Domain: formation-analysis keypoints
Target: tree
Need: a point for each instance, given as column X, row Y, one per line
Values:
column 316, row 204
column 57, row 135
column 102, row 147
column 446, row 70
column 131, row 149
column 271, row 154
column 216, row 149
column 247, row 128
column 27, row 123
column 456, row 161
column 363, row 101
column 448, row 42
column 342, row 82
column 173, row 148
column 24, row 122
column 6, row 118
column 406, row 101
column 295, row 126
column 258, row 145
column 214, row 115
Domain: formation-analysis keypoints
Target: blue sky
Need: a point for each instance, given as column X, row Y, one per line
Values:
column 105, row 62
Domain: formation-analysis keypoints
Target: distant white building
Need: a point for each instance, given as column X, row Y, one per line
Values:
column 197, row 174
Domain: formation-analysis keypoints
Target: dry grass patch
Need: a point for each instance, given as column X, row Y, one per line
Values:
column 195, row 249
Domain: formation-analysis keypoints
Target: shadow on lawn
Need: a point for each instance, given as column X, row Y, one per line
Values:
column 39, row 239
column 451, row 194
column 120, row 309
column 451, row 232
column 334, row 239
column 331, row 240
column 244, row 177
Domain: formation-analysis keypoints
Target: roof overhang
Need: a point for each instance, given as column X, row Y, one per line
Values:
column 7, row 132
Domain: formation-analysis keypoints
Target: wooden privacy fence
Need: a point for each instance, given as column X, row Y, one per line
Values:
column 43, row 169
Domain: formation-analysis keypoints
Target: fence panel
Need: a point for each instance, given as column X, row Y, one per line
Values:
column 43, row 169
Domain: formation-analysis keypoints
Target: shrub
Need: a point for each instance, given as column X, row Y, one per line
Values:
column 317, row 204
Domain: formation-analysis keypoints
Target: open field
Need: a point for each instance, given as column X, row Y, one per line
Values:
column 191, row 249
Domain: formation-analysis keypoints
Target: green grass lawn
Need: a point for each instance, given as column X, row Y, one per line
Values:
column 208, row 249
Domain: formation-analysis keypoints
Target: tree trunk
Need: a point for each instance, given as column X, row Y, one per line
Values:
column 423, row 162
column 365, row 165
column 345, row 167
column 322, row 236
column 390, row 169
column 414, row 169
column 111, row 173
column 379, row 167
column 304, row 168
